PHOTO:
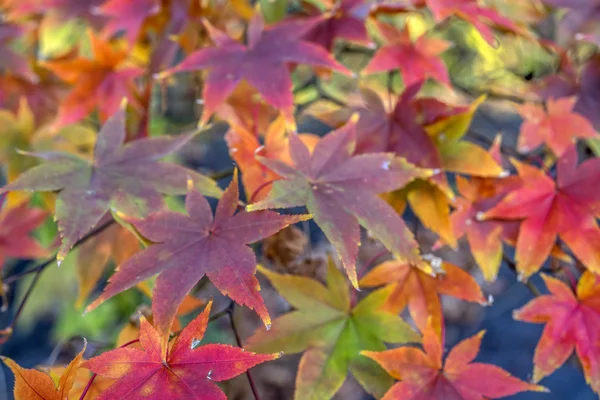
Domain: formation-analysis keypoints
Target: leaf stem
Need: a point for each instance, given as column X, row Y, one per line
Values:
column 239, row 343
column 513, row 267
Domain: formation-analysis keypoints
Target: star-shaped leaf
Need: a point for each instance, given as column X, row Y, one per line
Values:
column 340, row 190
column 126, row 178
column 417, row 61
column 344, row 19
column 567, row 207
column 331, row 332
column 197, row 244
column 101, row 82
column 263, row 63
column 420, row 291
column 31, row 384
column 127, row 16
column 557, row 126
column 184, row 370
column 424, row 376
column 572, row 323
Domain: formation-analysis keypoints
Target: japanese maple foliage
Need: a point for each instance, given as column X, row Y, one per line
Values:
column 571, row 325
column 263, row 62
column 426, row 375
column 126, row 178
column 190, row 246
column 181, row 370
column 339, row 189
column 356, row 117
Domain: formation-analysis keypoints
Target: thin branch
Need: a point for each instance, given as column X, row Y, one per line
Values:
column 512, row 266
column 239, row 343
column 7, row 332
column 49, row 261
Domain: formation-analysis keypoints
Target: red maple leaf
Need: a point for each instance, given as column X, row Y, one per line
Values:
column 193, row 245
column 184, row 370
column 480, row 17
column 556, row 126
column 101, row 82
column 424, row 376
column 263, row 62
column 567, row 207
column 582, row 84
column 572, row 323
column 345, row 19
column 340, row 190
column 16, row 224
column 125, row 178
column 417, row 60
column 127, row 16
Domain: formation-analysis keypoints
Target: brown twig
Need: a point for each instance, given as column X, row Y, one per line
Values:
column 512, row 266
column 239, row 343
column 7, row 332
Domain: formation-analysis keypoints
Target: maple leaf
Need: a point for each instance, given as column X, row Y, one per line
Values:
column 31, row 384
column 571, row 323
column 424, row 376
column 344, row 19
column 101, row 82
column 485, row 237
column 246, row 111
column 566, row 208
column 557, row 126
column 417, row 61
column 331, row 332
column 340, row 191
column 581, row 84
column 127, row 16
column 420, row 291
column 124, row 178
column 16, row 224
column 10, row 60
column 114, row 243
column 263, row 63
column 480, row 17
column 244, row 146
column 20, row 131
column 182, row 371
column 428, row 134
column 190, row 246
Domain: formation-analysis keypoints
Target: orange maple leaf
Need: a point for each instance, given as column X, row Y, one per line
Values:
column 31, row 384
column 421, row 291
column 572, row 323
column 424, row 376
column 100, row 82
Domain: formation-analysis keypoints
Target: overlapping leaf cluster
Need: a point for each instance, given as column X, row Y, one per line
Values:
column 400, row 137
